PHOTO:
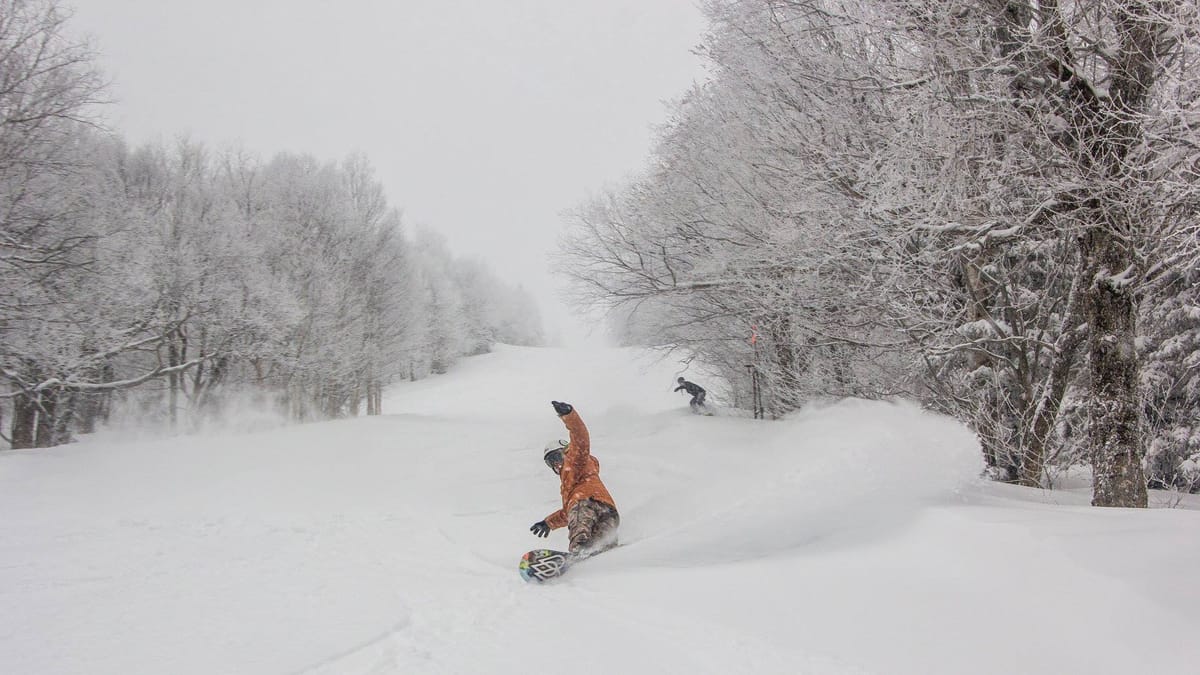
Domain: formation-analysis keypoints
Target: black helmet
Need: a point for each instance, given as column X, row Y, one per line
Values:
column 681, row 380
column 553, row 454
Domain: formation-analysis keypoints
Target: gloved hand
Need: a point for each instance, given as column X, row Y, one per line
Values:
column 561, row 408
column 540, row 529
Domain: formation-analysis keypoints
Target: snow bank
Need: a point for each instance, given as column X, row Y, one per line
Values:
column 827, row 474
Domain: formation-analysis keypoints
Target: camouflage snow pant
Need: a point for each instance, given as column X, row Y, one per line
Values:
column 592, row 527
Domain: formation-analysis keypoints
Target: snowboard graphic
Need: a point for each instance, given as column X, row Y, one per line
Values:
column 542, row 564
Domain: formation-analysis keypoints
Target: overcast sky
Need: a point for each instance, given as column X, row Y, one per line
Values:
column 484, row 119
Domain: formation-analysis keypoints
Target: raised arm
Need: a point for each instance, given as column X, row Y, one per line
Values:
column 580, row 446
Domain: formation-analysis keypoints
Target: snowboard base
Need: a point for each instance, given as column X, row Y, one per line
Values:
column 543, row 564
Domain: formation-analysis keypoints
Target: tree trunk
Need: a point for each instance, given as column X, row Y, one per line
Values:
column 1114, row 411
column 24, row 422
column 789, row 363
column 376, row 398
column 105, row 398
column 46, row 405
column 87, row 409
column 1071, row 335
column 64, row 417
column 372, row 398
column 90, row 407
column 174, row 358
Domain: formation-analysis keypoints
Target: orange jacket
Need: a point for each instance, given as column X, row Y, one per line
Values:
column 580, row 475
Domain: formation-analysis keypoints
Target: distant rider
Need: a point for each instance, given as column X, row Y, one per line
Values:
column 697, row 393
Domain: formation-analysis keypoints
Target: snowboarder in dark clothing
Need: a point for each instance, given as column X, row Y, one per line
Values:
column 698, row 393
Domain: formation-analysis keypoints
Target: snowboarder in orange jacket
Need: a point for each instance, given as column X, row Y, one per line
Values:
column 588, row 510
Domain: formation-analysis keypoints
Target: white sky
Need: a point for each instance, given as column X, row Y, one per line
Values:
column 484, row 119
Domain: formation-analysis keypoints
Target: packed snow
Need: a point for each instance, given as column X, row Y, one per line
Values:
column 852, row 537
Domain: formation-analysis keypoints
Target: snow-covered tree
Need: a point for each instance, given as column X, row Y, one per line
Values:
column 167, row 279
column 1085, row 96
column 749, row 222
column 47, row 87
column 974, row 195
column 1171, row 381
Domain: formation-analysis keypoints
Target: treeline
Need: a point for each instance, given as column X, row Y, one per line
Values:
column 989, row 206
column 191, row 276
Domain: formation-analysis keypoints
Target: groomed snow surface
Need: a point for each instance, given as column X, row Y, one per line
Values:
column 850, row 538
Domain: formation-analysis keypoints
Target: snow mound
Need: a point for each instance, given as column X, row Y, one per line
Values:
column 834, row 473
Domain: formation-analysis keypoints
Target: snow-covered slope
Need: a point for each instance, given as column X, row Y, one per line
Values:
column 850, row 538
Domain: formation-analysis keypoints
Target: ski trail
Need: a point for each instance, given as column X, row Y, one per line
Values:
column 835, row 541
column 373, row 650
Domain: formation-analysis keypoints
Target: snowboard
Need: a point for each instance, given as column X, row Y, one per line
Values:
column 543, row 564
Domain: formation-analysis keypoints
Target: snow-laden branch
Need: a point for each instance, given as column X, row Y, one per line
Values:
column 1123, row 279
column 73, row 385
